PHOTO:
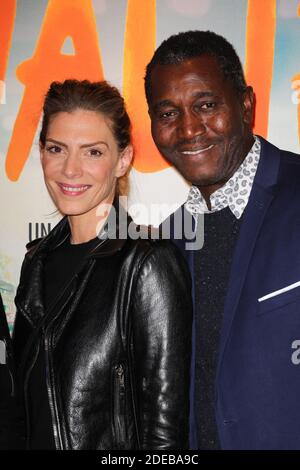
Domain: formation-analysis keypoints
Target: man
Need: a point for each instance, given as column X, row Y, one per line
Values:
column 246, row 359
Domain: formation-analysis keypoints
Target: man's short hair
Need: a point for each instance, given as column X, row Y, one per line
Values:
column 190, row 44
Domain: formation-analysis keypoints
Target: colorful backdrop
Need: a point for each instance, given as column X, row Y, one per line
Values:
column 42, row 41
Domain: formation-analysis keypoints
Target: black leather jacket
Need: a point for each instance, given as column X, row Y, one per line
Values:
column 10, row 432
column 117, row 344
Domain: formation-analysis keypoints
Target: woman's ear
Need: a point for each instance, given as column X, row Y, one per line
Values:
column 125, row 160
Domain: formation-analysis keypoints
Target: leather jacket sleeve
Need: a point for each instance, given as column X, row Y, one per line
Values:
column 10, row 422
column 162, row 321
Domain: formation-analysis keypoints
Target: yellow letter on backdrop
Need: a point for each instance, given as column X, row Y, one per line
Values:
column 260, row 44
column 68, row 18
column 139, row 46
column 7, row 19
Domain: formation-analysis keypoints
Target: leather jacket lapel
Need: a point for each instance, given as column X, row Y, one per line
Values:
column 29, row 298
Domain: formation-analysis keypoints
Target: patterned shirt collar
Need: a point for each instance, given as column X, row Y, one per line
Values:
column 234, row 194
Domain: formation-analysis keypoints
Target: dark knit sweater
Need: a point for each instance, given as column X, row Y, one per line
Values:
column 211, row 273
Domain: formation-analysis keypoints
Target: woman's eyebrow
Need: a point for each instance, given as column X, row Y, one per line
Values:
column 54, row 141
column 94, row 143
column 91, row 144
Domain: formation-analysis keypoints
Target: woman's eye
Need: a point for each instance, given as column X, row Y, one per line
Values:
column 95, row 153
column 54, row 149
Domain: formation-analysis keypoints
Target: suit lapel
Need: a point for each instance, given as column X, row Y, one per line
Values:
column 262, row 194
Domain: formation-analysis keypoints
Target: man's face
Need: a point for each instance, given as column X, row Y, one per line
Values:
column 198, row 121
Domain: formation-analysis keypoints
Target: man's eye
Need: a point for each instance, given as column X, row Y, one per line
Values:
column 208, row 105
column 167, row 114
column 55, row 149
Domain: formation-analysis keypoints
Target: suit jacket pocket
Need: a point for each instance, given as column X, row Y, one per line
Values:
column 278, row 301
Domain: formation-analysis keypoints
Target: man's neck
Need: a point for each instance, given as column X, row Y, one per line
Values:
column 207, row 191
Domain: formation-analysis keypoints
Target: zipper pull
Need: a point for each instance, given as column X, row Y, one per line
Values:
column 120, row 373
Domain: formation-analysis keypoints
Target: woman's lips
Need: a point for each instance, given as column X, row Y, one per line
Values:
column 73, row 189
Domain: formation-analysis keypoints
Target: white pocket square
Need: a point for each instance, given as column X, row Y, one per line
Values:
column 280, row 291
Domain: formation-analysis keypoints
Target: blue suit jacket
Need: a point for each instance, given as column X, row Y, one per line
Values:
column 257, row 390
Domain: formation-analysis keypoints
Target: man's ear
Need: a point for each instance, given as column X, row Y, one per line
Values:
column 248, row 106
column 125, row 160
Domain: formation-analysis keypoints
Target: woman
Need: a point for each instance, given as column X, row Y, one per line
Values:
column 103, row 324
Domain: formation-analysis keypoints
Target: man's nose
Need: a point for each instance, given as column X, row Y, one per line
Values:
column 72, row 166
column 191, row 125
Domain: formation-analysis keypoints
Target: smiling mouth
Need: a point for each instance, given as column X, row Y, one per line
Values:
column 197, row 151
column 73, row 190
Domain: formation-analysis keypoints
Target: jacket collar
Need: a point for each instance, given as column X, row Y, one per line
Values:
column 109, row 238
column 29, row 298
column 267, row 171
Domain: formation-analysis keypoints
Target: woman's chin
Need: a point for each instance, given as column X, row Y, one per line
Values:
column 72, row 210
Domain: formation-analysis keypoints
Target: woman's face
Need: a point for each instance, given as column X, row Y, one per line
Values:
column 81, row 162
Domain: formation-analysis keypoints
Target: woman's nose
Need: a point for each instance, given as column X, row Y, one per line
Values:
column 72, row 166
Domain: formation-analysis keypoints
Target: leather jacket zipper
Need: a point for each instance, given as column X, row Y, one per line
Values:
column 50, row 382
column 52, row 397
column 26, row 381
column 56, row 422
column 119, row 406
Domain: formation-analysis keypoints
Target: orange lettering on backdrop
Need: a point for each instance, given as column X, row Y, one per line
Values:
column 70, row 18
column 260, row 45
column 139, row 45
column 296, row 86
column 7, row 19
